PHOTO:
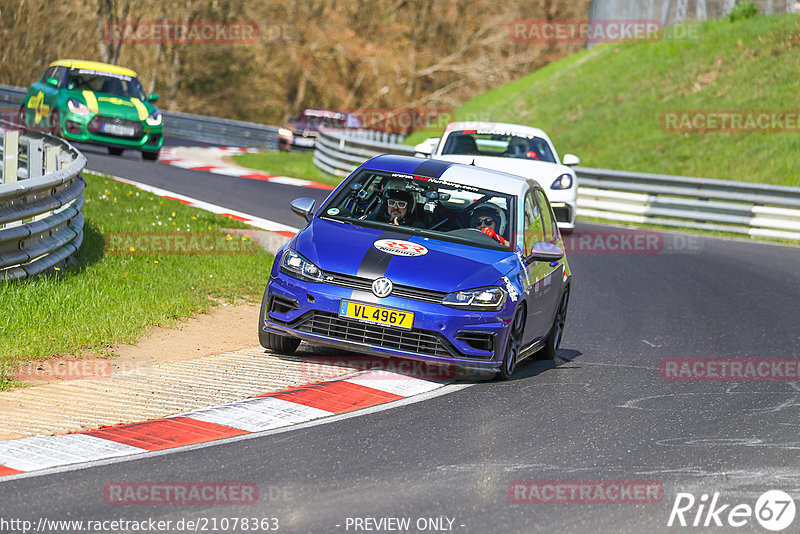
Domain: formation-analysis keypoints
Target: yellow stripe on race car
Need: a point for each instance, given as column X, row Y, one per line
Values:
column 143, row 114
column 91, row 101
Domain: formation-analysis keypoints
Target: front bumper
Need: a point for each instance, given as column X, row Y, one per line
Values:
column 565, row 213
column 440, row 334
column 84, row 129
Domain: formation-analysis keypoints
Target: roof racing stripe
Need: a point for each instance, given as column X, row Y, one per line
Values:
column 432, row 168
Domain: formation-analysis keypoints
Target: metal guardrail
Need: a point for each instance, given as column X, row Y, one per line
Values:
column 338, row 151
column 758, row 210
column 41, row 202
column 195, row 127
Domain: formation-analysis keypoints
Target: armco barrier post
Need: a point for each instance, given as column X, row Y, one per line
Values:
column 10, row 156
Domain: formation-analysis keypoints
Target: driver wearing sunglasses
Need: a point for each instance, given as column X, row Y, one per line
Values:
column 398, row 204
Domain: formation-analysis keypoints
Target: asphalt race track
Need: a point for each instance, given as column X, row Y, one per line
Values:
column 603, row 413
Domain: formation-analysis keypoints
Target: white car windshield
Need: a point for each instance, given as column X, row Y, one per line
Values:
column 474, row 143
column 426, row 206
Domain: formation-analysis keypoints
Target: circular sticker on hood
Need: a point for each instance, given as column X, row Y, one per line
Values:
column 400, row 248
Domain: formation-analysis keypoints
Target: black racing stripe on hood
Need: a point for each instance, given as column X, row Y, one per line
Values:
column 374, row 265
column 432, row 168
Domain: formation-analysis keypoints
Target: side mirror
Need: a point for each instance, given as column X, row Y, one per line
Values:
column 571, row 160
column 544, row 251
column 426, row 148
column 152, row 97
column 304, row 207
column 52, row 81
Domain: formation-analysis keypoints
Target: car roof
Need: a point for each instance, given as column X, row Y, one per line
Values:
column 495, row 127
column 93, row 65
column 469, row 175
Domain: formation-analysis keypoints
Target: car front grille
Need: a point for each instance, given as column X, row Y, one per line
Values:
column 412, row 341
column 365, row 284
column 96, row 126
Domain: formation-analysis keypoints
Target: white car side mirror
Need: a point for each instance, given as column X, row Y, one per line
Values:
column 571, row 160
column 426, row 148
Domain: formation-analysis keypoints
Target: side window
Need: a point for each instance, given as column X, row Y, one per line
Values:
column 548, row 220
column 533, row 222
column 49, row 73
column 61, row 74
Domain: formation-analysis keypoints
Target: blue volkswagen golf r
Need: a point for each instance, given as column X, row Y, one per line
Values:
column 427, row 260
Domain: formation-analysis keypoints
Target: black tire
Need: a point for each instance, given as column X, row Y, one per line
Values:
column 548, row 352
column 274, row 342
column 115, row 151
column 512, row 346
column 55, row 124
column 151, row 155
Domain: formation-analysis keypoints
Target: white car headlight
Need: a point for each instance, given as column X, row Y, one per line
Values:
column 298, row 267
column 482, row 298
column 77, row 107
column 562, row 182
column 154, row 119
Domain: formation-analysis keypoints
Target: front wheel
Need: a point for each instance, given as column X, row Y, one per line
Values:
column 512, row 346
column 115, row 150
column 548, row 352
column 151, row 155
column 270, row 341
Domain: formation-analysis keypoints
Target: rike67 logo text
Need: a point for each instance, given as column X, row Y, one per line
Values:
column 774, row 510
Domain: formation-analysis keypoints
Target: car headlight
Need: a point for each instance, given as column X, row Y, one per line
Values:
column 77, row 107
column 154, row 119
column 562, row 182
column 283, row 132
column 298, row 267
column 482, row 298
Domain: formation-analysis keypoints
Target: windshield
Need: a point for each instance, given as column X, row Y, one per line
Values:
column 426, row 206
column 105, row 82
column 474, row 143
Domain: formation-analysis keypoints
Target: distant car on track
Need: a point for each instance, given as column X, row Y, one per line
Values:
column 97, row 103
column 427, row 260
column 515, row 149
column 301, row 132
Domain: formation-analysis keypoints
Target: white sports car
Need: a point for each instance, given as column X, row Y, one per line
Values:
column 514, row 149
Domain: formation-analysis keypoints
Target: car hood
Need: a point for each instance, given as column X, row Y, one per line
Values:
column 348, row 249
column 115, row 106
column 543, row 172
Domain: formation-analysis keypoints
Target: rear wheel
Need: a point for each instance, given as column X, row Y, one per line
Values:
column 548, row 352
column 270, row 341
column 151, row 155
column 115, row 151
column 512, row 346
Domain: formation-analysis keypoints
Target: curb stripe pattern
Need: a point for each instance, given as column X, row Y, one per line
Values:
column 169, row 155
column 264, row 412
column 264, row 224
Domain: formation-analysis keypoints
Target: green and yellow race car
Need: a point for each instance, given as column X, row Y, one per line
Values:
column 95, row 103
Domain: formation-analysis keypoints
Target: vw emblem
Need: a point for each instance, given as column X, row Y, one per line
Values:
column 382, row 287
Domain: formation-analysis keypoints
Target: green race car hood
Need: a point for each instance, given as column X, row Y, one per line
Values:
column 114, row 106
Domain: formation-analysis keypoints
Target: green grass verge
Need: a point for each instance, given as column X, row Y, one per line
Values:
column 293, row 164
column 111, row 298
column 605, row 104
